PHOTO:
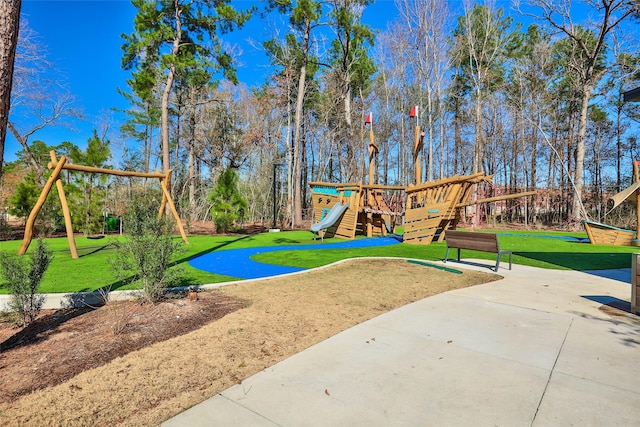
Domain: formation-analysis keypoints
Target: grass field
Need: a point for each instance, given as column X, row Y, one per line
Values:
column 93, row 269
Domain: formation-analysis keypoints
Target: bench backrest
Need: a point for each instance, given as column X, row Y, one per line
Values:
column 487, row 242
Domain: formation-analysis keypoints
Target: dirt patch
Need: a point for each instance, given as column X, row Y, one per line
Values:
column 145, row 386
column 207, row 228
column 620, row 310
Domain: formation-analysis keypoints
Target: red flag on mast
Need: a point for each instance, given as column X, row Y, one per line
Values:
column 369, row 119
column 414, row 111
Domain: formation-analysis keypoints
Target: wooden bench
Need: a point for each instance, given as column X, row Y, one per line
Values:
column 484, row 242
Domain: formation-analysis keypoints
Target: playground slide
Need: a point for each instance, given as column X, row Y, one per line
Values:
column 332, row 217
column 389, row 226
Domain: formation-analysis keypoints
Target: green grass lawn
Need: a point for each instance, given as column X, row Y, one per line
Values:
column 93, row 269
column 527, row 250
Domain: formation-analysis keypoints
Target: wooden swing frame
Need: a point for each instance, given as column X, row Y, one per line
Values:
column 57, row 166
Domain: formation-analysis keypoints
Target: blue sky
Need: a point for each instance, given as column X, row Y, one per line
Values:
column 83, row 41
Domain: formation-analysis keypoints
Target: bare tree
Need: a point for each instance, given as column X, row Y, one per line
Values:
column 426, row 31
column 38, row 101
column 589, row 62
column 481, row 38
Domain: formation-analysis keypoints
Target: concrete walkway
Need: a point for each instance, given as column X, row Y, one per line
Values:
column 533, row 349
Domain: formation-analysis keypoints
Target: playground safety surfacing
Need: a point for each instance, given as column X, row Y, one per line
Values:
column 238, row 262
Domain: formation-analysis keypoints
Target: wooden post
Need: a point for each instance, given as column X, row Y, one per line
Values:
column 373, row 152
column 65, row 211
column 417, row 146
column 165, row 191
column 635, row 283
column 28, row 230
column 637, row 179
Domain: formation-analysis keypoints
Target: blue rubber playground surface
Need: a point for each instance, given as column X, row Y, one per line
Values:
column 238, row 262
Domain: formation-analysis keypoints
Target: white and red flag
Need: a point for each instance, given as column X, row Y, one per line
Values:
column 414, row 111
column 369, row 119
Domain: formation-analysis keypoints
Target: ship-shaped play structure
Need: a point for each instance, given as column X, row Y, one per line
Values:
column 604, row 234
column 428, row 209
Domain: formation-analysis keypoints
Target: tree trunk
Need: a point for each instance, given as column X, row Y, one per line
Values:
column 577, row 210
column 619, row 147
column 164, row 127
column 534, row 165
column 166, row 92
column 192, row 143
column 9, row 28
column 439, row 96
column 148, row 141
column 297, row 155
column 37, row 167
column 457, row 136
column 478, row 146
column 352, row 162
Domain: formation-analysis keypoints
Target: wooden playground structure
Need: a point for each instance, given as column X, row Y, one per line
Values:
column 604, row 234
column 372, row 209
column 428, row 209
column 57, row 166
column 432, row 207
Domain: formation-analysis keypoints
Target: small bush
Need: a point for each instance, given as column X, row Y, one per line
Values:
column 145, row 255
column 5, row 228
column 24, row 275
column 227, row 204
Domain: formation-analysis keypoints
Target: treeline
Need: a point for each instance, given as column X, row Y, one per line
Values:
column 536, row 105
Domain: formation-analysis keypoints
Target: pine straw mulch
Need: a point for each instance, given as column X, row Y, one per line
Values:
column 60, row 344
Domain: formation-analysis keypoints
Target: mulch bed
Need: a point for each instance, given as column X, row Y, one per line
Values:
column 60, row 344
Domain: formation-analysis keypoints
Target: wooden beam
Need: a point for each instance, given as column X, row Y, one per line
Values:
column 450, row 180
column 66, row 213
column 384, row 187
column 498, row 198
column 28, row 229
column 91, row 169
column 165, row 191
column 418, row 142
column 373, row 152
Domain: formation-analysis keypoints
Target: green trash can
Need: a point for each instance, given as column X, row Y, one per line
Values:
column 113, row 223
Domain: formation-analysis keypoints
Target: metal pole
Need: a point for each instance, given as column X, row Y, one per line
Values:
column 275, row 187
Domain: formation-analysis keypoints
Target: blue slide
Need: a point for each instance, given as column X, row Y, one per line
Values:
column 332, row 217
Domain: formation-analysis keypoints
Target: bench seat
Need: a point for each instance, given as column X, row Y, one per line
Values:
column 484, row 242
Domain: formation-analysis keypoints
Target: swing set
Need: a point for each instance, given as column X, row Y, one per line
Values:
column 58, row 165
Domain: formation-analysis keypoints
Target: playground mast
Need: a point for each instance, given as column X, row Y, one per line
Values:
column 373, row 149
column 418, row 141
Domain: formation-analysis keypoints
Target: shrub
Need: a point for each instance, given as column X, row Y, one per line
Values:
column 24, row 197
column 24, row 275
column 227, row 204
column 145, row 255
column 5, row 228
